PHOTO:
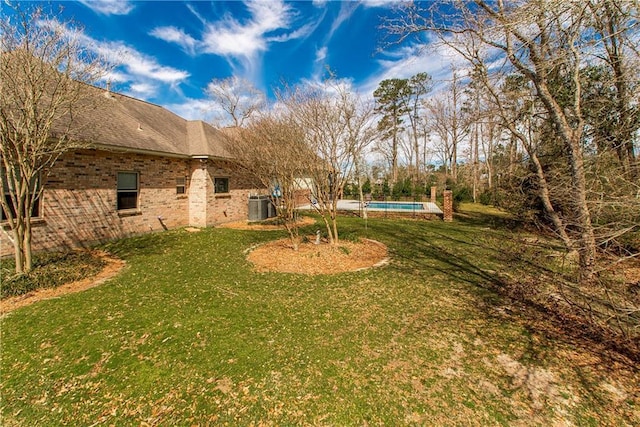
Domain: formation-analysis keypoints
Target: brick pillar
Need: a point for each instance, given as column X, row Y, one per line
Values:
column 433, row 194
column 200, row 186
column 447, row 207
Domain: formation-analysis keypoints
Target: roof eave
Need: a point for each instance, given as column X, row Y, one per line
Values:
column 121, row 149
column 210, row 157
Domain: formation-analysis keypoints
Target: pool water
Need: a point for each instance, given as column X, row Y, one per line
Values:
column 407, row 206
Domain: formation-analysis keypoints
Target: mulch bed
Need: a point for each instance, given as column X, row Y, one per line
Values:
column 279, row 256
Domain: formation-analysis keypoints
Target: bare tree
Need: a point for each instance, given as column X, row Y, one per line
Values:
column 407, row 155
column 272, row 148
column 439, row 126
column 420, row 85
column 338, row 126
column 237, row 97
column 43, row 74
column 360, row 172
column 484, row 121
column 456, row 127
column 615, row 23
column 445, row 121
column 521, row 117
column 540, row 40
column 488, row 143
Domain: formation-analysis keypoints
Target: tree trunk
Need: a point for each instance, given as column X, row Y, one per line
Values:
column 328, row 227
column 513, row 151
column 476, row 163
column 18, row 247
column 416, row 149
column 360, row 193
column 572, row 139
column 394, row 160
column 543, row 186
column 454, row 158
column 28, row 257
column 488, row 155
column 610, row 32
column 587, row 250
column 544, row 194
column 455, row 130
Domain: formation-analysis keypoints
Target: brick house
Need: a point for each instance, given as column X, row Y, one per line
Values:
column 146, row 169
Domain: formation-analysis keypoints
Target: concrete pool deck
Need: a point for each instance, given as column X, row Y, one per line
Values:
column 354, row 205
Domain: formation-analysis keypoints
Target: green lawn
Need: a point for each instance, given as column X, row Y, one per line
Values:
column 187, row 335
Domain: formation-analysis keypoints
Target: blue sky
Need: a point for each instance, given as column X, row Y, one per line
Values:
column 169, row 51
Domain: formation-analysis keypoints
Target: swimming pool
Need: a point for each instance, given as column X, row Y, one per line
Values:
column 399, row 207
column 403, row 206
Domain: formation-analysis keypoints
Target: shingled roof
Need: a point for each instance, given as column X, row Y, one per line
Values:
column 111, row 120
column 123, row 122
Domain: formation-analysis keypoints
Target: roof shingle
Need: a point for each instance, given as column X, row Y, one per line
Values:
column 123, row 122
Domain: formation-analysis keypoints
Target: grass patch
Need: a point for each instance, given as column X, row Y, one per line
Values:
column 50, row 270
column 189, row 334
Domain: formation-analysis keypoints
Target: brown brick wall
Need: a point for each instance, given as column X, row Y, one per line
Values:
column 232, row 206
column 79, row 202
column 447, row 207
column 200, row 186
column 206, row 208
column 302, row 197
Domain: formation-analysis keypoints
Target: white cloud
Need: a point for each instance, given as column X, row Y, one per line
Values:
column 301, row 33
column 232, row 40
column 141, row 73
column 147, row 67
column 366, row 3
column 230, row 37
column 196, row 13
column 142, row 90
column 410, row 60
column 176, row 35
column 195, row 109
column 382, row 3
column 109, row 7
column 115, row 76
column 321, row 54
column 346, row 10
column 135, row 63
column 331, row 87
column 241, row 42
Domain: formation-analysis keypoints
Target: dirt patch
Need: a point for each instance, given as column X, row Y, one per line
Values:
column 112, row 267
column 324, row 258
column 540, row 384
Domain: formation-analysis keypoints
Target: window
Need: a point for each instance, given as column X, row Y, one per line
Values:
column 128, row 189
column 221, row 185
column 8, row 190
column 180, row 185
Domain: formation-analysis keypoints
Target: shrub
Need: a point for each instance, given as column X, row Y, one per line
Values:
column 50, row 270
column 486, row 197
column 366, row 187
